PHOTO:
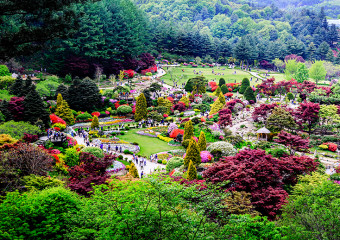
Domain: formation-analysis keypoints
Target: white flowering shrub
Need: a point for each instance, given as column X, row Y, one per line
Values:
column 226, row 148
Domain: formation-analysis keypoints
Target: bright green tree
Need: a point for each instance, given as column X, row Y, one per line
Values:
column 64, row 111
column 4, row 71
column 302, row 73
column 217, row 106
column 291, row 68
column 188, row 130
column 245, row 83
column 95, row 122
column 318, row 71
column 185, row 100
column 192, row 154
column 192, row 172
column 59, row 99
column 290, row 96
column 217, row 91
column 202, row 142
column 249, row 94
column 280, row 119
column 141, row 105
column 221, row 98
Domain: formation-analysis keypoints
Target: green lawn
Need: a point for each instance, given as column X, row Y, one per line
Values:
column 228, row 76
column 148, row 145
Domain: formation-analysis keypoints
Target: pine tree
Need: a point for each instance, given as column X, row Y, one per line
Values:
column 249, row 94
column 330, row 56
column 27, row 86
column 224, row 89
column 245, row 83
column 192, row 154
column 133, row 170
column 221, row 98
column 34, row 108
column 141, row 108
column 62, row 89
column 192, row 172
column 311, row 51
column 242, row 50
column 95, row 122
column 202, row 142
column 59, row 100
column 217, row 91
column 221, row 82
column 188, row 130
column 64, row 111
column 17, row 87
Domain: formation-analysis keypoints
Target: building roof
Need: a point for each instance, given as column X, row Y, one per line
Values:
column 263, row 130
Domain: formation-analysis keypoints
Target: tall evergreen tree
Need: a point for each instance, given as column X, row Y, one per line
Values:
column 202, row 142
column 221, row 82
column 192, row 154
column 95, row 122
column 249, row 94
column 59, row 100
column 17, row 87
column 311, row 50
column 83, row 95
column 141, row 105
column 245, row 83
column 192, row 172
column 62, row 89
column 242, row 50
column 322, row 50
column 64, row 111
column 27, row 85
column 188, row 130
column 34, row 108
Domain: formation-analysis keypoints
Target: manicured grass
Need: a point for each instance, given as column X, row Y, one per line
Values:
column 123, row 161
column 148, row 145
column 228, row 76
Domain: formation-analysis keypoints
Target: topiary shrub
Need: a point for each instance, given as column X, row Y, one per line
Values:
column 224, row 147
column 123, row 110
column 84, row 116
column 94, row 150
column 173, row 163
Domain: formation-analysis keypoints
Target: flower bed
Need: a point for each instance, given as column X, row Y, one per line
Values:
column 165, row 139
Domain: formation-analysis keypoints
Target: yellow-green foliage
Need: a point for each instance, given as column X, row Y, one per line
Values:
column 217, row 91
column 188, row 130
column 192, row 172
column 133, row 170
column 202, row 142
column 6, row 139
column 308, row 183
column 185, row 100
column 221, row 98
column 323, row 147
column 239, row 203
column 141, row 111
column 59, row 99
column 95, row 122
column 34, row 182
column 64, row 111
column 6, row 82
column 165, row 103
column 216, row 107
column 192, row 154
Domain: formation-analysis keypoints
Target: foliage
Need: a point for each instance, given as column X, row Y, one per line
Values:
column 224, row 147
column 90, row 172
column 7, row 139
column 216, row 107
column 249, row 94
column 292, row 142
column 16, row 108
column 84, row 116
column 37, row 214
column 192, row 154
column 239, row 203
column 18, row 129
column 95, row 122
column 192, row 172
column 63, row 111
column 317, row 71
column 133, row 170
column 96, row 151
column 202, row 143
column 141, row 105
column 47, row 88
column 261, row 113
column 34, row 182
column 6, row 82
column 188, row 130
column 280, row 119
column 4, row 71
column 307, row 113
column 173, row 163
column 244, row 85
column 123, row 110
column 71, row 157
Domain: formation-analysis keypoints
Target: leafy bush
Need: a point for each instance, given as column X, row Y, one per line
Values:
column 94, row 150
column 123, row 110
column 18, row 129
column 4, row 71
column 6, row 82
column 84, row 116
column 278, row 152
column 127, row 151
column 164, row 162
column 71, row 157
column 6, row 139
column 34, row 182
column 4, row 95
column 226, row 148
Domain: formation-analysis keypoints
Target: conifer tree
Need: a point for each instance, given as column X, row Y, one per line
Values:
column 192, row 154
column 17, row 87
column 217, row 91
column 221, row 82
column 221, row 98
column 244, row 85
column 34, row 108
column 141, row 105
column 62, row 89
column 95, row 122
column 202, row 142
column 192, row 172
column 133, row 171
column 64, row 111
column 224, row 89
column 188, row 130
column 217, row 106
column 27, row 86
column 59, row 99
column 249, row 94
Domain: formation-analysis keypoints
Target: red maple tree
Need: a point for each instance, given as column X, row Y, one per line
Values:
column 307, row 113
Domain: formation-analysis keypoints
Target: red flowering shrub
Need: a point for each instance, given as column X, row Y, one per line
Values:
column 55, row 119
column 175, row 132
column 165, row 115
column 180, row 106
column 213, row 86
column 95, row 114
column 231, row 103
column 91, row 171
column 129, row 73
column 262, row 112
column 152, row 69
column 171, row 99
column 229, row 95
column 331, row 146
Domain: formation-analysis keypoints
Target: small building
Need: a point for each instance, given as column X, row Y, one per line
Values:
column 262, row 134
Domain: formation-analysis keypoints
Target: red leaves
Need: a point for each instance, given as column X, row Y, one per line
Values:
column 16, row 108
column 129, row 73
column 225, row 117
column 293, row 142
column 180, row 106
column 260, row 174
column 95, row 114
column 262, row 112
column 308, row 113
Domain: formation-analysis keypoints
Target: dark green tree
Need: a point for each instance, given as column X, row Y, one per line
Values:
column 224, row 89
column 34, row 108
column 322, row 50
column 62, row 89
column 17, row 87
column 244, row 85
column 242, row 50
column 83, row 95
column 221, row 82
column 249, row 94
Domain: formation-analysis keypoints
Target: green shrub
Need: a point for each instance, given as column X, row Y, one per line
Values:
column 126, row 151
column 159, row 161
column 84, row 116
column 6, row 82
column 278, row 152
column 34, row 182
column 123, row 110
column 71, row 157
column 4, row 71
column 17, row 129
column 173, row 163
column 95, row 151
column 4, row 95
column 164, row 162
